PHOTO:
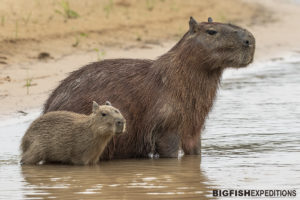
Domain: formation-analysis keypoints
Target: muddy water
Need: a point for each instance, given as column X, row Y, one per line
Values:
column 251, row 140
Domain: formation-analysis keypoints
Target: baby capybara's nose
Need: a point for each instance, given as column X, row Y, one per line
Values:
column 120, row 126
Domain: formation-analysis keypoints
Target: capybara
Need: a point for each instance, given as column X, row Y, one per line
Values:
column 71, row 138
column 165, row 101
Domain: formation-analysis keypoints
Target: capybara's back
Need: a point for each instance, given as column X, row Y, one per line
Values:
column 71, row 138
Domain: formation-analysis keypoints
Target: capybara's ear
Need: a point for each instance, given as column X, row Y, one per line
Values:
column 107, row 103
column 209, row 20
column 95, row 107
column 193, row 25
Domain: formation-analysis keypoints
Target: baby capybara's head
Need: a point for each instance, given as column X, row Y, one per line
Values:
column 108, row 119
column 218, row 44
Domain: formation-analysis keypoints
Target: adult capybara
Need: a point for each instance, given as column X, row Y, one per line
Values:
column 71, row 138
column 165, row 101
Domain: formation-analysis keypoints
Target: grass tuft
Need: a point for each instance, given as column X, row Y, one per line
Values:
column 2, row 20
column 78, row 38
column 100, row 54
column 66, row 11
column 108, row 7
column 28, row 84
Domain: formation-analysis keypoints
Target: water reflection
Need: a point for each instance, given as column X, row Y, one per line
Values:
column 121, row 179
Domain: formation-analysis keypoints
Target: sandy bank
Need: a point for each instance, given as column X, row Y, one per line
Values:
column 62, row 27
column 280, row 36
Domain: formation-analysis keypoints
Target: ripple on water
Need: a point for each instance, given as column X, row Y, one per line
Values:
column 253, row 131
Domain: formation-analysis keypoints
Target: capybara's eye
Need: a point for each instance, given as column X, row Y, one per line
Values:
column 103, row 114
column 211, row 32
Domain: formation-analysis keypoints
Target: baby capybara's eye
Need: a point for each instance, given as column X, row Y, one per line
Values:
column 211, row 32
column 103, row 114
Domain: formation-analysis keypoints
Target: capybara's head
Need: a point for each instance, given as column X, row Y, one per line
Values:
column 218, row 44
column 107, row 119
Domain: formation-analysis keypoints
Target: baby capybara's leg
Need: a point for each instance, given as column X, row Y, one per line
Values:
column 78, row 161
column 32, row 156
column 94, row 161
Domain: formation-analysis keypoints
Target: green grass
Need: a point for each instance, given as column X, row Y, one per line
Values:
column 3, row 21
column 78, row 38
column 28, row 84
column 108, row 8
column 138, row 37
column 16, row 30
column 66, row 11
column 150, row 5
column 100, row 54
column 27, row 18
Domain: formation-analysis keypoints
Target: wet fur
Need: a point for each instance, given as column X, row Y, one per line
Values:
column 68, row 137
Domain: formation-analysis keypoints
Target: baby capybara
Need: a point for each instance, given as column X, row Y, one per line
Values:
column 71, row 138
column 165, row 101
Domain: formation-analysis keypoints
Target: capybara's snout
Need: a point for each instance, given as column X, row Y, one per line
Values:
column 120, row 126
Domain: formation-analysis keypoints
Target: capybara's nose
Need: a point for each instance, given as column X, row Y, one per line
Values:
column 246, row 42
column 246, row 38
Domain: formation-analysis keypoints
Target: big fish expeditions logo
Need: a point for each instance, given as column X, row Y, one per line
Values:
column 254, row 193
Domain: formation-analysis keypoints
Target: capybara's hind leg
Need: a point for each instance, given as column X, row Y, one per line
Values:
column 31, row 157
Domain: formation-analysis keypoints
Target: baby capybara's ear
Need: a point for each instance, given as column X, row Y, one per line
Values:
column 95, row 107
column 107, row 103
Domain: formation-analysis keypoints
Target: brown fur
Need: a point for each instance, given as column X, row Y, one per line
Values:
column 165, row 101
column 71, row 138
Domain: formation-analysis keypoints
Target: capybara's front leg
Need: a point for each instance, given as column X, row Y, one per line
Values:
column 168, row 145
column 192, row 146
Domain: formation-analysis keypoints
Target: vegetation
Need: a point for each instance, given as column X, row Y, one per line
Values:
column 28, row 84
column 67, row 12
column 2, row 20
column 77, row 39
column 27, row 18
column 16, row 29
column 100, row 54
column 108, row 7
column 150, row 5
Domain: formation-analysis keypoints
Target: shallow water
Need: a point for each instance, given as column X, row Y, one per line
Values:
column 251, row 141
